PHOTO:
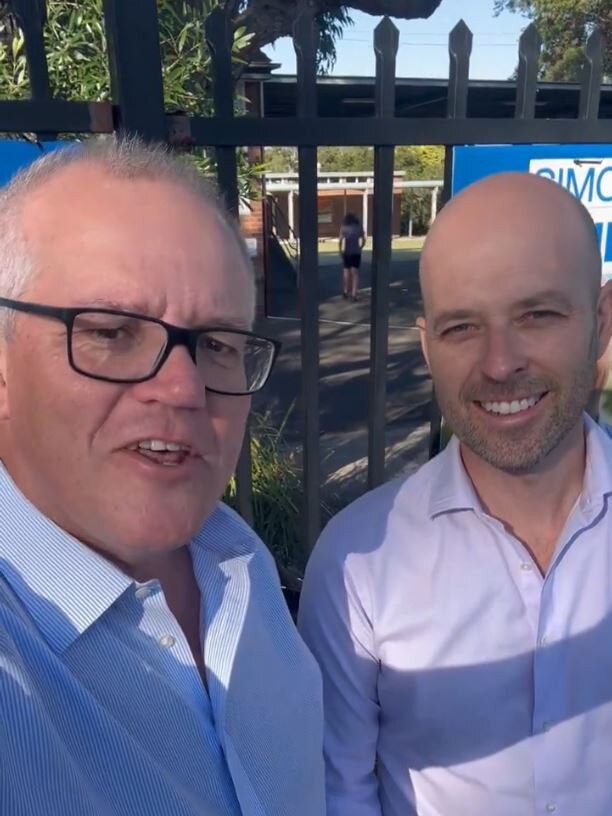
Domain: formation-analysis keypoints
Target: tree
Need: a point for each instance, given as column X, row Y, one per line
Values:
column 265, row 21
column 419, row 162
column 268, row 20
column 564, row 26
column 281, row 159
column 349, row 159
column 76, row 49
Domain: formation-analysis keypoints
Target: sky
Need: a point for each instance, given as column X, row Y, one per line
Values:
column 423, row 49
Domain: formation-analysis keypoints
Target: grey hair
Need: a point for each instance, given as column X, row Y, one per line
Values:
column 122, row 158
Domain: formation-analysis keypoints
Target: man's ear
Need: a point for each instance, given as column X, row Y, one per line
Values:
column 422, row 327
column 604, row 318
column 4, row 410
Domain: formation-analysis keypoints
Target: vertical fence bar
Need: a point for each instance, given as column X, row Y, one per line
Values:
column 219, row 38
column 459, row 49
column 592, row 77
column 527, row 79
column 31, row 17
column 386, row 41
column 136, row 75
column 306, row 37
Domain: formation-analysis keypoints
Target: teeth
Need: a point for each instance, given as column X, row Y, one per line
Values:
column 513, row 407
column 159, row 446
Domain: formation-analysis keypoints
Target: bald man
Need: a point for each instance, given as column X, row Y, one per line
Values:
column 462, row 617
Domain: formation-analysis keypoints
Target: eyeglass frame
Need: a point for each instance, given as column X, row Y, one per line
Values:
column 177, row 336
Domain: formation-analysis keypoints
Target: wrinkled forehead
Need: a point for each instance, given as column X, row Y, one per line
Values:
column 137, row 238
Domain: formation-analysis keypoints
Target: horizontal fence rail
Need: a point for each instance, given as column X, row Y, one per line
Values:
column 138, row 107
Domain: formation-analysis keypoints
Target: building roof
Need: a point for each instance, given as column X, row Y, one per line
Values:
column 354, row 96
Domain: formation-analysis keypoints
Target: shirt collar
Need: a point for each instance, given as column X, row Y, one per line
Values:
column 452, row 488
column 64, row 585
column 598, row 470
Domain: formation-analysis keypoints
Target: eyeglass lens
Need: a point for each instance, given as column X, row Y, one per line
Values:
column 126, row 348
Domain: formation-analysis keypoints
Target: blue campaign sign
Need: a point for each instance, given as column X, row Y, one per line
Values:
column 17, row 154
column 585, row 170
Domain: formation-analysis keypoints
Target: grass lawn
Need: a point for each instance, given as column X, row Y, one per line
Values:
column 330, row 245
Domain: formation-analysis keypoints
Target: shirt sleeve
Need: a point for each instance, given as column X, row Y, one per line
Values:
column 336, row 625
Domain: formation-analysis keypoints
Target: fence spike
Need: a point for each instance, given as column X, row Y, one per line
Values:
column 386, row 37
column 459, row 48
column 530, row 44
column 386, row 43
column 592, row 76
column 306, row 44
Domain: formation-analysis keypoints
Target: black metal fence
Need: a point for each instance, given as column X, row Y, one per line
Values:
column 138, row 107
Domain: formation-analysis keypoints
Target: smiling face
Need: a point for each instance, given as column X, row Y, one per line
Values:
column 149, row 247
column 514, row 319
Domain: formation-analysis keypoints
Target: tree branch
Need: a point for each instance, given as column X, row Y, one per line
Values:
column 270, row 19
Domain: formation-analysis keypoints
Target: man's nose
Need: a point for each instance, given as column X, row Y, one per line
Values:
column 503, row 354
column 177, row 383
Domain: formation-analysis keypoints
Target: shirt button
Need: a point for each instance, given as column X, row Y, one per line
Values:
column 546, row 725
column 526, row 567
column 143, row 592
column 167, row 641
column 551, row 807
column 543, row 640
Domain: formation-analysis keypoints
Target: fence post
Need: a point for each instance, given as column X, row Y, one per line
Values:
column 136, row 75
column 592, row 77
column 386, row 42
column 306, row 38
column 459, row 48
column 527, row 79
column 219, row 38
column 32, row 16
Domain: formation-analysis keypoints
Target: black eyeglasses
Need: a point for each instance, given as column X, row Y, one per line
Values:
column 125, row 347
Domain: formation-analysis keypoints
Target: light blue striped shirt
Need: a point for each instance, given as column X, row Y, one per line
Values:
column 103, row 710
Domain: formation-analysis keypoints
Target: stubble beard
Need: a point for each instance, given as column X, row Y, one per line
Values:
column 517, row 451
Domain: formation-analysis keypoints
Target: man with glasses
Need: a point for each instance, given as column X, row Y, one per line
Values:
column 148, row 663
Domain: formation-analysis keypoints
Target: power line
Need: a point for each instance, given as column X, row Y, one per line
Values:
column 444, row 33
column 434, row 44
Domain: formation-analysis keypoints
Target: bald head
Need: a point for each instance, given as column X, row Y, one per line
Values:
column 515, row 319
column 516, row 223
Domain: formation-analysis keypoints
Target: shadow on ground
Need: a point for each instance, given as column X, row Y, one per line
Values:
column 345, row 373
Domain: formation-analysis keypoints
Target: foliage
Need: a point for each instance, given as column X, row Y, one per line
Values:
column 281, row 159
column 331, row 27
column 420, row 161
column 256, row 23
column 351, row 159
column 415, row 206
column 76, row 47
column 75, row 43
column 277, row 491
column 564, row 26
column 417, row 161
column 268, row 20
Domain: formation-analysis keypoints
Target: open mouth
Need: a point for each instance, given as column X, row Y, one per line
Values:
column 511, row 407
column 167, row 454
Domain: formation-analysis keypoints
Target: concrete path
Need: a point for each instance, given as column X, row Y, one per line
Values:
column 344, row 380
